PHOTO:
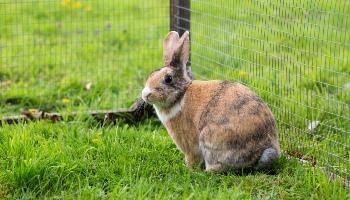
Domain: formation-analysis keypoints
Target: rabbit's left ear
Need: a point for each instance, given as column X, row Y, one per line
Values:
column 169, row 46
column 182, row 50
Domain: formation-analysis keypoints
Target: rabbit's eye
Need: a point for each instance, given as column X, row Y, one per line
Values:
column 168, row 79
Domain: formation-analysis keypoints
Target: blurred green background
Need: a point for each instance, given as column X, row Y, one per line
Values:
column 50, row 51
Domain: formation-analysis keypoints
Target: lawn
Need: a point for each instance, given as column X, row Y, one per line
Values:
column 81, row 160
column 296, row 59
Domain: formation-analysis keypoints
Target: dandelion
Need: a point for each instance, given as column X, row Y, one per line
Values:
column 65, row 100
column 66, row 2
column 33, row 110
column 242, row 73
column 76, row 5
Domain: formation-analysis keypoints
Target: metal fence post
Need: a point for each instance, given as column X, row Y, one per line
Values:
column 180, row 15
column 180, row 21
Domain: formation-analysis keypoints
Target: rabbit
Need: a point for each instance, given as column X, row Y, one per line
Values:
column 221, row 124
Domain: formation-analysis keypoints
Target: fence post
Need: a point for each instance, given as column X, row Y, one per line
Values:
column 180, row 21
column 180, row 15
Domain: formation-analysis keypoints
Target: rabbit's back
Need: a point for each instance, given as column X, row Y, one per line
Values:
column 232, row 121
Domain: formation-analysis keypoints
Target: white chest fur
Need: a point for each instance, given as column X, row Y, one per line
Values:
column 165, row 116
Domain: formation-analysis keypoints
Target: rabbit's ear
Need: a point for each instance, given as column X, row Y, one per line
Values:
column 182, row 51
column 169, row 46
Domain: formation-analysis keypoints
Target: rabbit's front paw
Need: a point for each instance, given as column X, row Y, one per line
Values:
column 214, row 168
column 193, row 161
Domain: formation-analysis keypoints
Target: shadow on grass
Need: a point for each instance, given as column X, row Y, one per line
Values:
column 26, row 102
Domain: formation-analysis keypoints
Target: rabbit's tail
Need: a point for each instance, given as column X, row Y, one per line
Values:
column 267, row 158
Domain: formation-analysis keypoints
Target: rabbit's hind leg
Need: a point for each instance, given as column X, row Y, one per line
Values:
column 211, row 159
column 193, row 160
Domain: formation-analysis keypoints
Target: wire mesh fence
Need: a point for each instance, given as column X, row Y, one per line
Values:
column 69, row 54
column 62, row 55
column 295, row 54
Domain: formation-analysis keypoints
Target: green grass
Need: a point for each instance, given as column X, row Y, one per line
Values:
column 82, row 160
column 50, row 50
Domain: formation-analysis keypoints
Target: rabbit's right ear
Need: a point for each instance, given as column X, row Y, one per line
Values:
column 169, row 45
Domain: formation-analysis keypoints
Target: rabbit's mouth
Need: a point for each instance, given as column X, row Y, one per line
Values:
column 148, row 96
column 152, row 100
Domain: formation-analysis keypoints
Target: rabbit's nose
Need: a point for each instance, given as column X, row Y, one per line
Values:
column 146, row 92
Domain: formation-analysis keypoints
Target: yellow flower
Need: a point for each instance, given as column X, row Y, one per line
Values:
column 66, row 2
column 242, row 73
column 87, row 8
column 33, row 110
column 65, row 100
column 76, row 5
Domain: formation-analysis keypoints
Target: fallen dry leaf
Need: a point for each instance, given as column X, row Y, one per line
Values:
column 4, row 84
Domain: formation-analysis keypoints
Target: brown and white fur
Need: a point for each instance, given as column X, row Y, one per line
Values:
column 222, row 123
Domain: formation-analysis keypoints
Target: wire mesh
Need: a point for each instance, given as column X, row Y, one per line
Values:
column 295, row 54
column 61, row 55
